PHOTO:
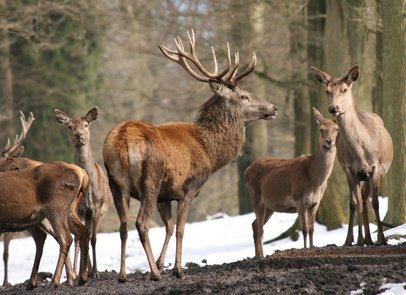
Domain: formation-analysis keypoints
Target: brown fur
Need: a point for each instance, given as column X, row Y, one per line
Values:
column 50, row 191
column 98, row 197
column 292, row 185
column 160, row 163
column 365, row 151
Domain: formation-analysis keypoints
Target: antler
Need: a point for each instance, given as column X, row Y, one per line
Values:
column 10, row 149
column 180, row 56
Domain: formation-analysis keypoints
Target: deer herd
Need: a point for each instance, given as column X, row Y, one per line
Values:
column 158, row 164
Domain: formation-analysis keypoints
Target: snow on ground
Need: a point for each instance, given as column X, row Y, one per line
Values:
column 218, row 240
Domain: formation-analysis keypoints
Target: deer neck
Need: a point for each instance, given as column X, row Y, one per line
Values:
column 221, row 133
column 352, row 128
column 321, row 163
column 83, row 158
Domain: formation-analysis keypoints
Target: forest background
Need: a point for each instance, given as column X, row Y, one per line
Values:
column 73, row 55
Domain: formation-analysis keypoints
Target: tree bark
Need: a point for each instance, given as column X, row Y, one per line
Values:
column 256, row 133
column 330, row 212
column 6, row 81
column 394, row 97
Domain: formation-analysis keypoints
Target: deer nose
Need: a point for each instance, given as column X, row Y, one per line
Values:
column 329, row 141
column 275, row 108
column 78, row 135
column 332, row 109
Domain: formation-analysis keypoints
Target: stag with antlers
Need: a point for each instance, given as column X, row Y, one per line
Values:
column 157, row 164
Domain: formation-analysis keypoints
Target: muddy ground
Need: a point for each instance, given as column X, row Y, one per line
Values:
column 326, row 270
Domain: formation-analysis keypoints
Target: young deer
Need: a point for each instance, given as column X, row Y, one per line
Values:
column 49, row 191
column 157, row 164
column 365, row 151
column 292, row 185
column 98, row 197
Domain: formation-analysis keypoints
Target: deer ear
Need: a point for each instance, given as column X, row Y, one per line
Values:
column 352, row 75
column 61, row 117
column 319, row 117
column 219, row 88
column 92, row 114
column 321, row 76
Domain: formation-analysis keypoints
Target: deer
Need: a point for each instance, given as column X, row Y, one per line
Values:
column 292, row 185
column 364, row 151
column 98, row 197
column 157, row 164
column 11, row 159
column 50, row 191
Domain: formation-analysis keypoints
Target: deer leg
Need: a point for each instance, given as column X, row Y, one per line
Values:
column 165, row 211
column 64, row 239
column 354, row 187
column 6, row 244
column 304, row 220
column 258, row 229
column 95, row 225
column 39, row 237
column 183, row 209
column 312, row 212
column 122, row 204
column 81, row 233
column 365, row 191
column 76, row 256
column 148, row 203
column 374, row 187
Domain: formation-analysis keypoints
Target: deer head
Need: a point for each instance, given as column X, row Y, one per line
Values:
column 79, row 131
column 16, row 149
column 328, row 130
column 338, row 89
column 223, row 83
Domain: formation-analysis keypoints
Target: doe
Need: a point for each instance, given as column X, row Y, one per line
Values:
column 292, row 185
column 364, row 150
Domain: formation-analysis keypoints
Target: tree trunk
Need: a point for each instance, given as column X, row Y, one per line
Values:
column 256, row 133
column 6, row 83
column 335, row 47
column 394, row 94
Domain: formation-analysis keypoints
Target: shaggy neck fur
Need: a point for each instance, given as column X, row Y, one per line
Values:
column 221, row 130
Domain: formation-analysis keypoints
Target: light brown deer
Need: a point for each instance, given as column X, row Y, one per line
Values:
column 49, row 191
column 292, row 185
column 364, row 150
column 98, row 197
column 157, row 164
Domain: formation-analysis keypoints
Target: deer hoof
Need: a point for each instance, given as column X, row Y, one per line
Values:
column 155, row 277
column 179, row 274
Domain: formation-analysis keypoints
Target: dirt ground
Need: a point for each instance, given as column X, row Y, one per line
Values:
column 326, row 270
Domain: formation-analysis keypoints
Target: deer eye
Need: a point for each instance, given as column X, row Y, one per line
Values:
column 328, row 92
column 70, row 127
column 344, row 90
column 244, row 97
column 86, row 124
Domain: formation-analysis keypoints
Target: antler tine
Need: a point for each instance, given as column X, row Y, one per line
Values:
column 230, row 77
column 247, row 71
column 26, row 124
column 181, row 57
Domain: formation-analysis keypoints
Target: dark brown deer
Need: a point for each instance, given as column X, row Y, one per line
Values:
column 292, row 185
column 364, row 150
column 11, row 159
column 98, row 197
column 49, row 191
column 157, row 164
